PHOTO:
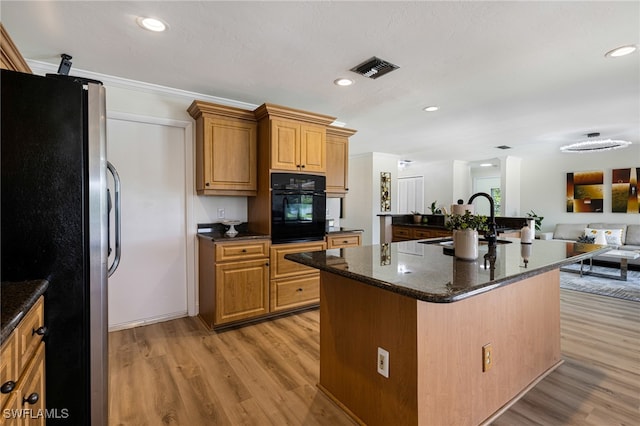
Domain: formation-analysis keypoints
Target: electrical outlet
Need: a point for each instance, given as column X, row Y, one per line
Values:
column 383, row 362
column 220, row 213
column 487, row 357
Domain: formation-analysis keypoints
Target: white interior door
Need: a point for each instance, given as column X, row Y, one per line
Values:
column 411, row 194
column 150, row 284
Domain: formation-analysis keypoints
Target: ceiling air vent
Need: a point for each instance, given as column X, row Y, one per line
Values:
column 374, row 68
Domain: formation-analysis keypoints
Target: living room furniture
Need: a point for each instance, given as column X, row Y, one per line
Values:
column 629, row 241
column 616, row 255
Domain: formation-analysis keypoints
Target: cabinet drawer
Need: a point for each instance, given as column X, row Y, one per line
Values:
column 293, row 292
column 282, row 268
column 401, row 232
column 8, row 366
column 27, row 332
column 341, row 241
column 243, row 250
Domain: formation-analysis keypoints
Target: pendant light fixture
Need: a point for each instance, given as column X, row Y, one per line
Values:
column 594, row 144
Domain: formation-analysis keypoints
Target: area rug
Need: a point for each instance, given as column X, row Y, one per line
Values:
column 629, row 289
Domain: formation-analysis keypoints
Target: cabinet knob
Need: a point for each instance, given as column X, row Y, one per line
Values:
column 40, row 331
column 7, row 387
column 31, row 399
column 299, row 290
column 244, row 250
column 302, row 166
column 266, row 264
column 206, row 184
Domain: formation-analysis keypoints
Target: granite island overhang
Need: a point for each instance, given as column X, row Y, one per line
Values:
column 465, row 340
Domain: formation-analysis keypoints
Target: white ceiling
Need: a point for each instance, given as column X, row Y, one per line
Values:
column 531, row 75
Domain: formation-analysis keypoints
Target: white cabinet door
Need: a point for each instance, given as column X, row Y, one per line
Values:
column 151, row 282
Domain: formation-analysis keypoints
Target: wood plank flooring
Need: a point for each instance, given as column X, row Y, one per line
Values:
column 178, row 373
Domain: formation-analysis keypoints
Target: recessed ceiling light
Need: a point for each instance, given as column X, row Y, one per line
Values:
column 151, row 24
column 343, row 82
column 486, row 165
column 621, row 51
column 431, row 108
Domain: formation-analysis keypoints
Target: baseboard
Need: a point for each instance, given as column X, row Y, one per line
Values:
column 147, row 321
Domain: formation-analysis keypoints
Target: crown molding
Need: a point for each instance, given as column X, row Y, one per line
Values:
column 42, row 68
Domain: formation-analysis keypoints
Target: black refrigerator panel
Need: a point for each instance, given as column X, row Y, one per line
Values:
column 44, row 222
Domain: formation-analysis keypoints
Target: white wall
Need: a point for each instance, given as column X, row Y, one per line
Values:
column 543, row 184
column 358, row 209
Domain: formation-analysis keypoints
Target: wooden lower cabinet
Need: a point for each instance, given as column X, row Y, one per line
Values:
column 245, row 280
column 406, row 233
column 241, row 290
column 293, row 285
column 22, row 364
column 352, row 239
column 295, row 292
column 233, row 281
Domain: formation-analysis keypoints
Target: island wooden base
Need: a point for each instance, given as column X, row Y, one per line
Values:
column 435, row 350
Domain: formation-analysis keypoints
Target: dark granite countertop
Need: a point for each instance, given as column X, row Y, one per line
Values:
column 424, row 272
column 16, row 298
column 343, row 231
column 216, row 232
column 222, row 237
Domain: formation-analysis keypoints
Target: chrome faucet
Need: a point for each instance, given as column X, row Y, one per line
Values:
column 491, row 235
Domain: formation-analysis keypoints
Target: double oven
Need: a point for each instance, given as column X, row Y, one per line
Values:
column 298, row 207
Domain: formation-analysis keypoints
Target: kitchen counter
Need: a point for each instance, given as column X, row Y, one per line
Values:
column 216, row 232
column 16, row 298
column 455, row 342
column 421, row 271
column 343, row 231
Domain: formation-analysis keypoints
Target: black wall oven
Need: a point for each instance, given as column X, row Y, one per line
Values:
column 298, row 207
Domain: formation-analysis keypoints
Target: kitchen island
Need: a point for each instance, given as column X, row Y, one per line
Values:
column 463, row 340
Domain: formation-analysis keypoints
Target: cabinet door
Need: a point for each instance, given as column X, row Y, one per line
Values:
column 8, row 368
column 337, row 165
column 285, row 145
column 230, row 155
column 313, row 151
column 32, row 391
column 242, row 290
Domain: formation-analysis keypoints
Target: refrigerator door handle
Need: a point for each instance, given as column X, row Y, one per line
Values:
column 117, row 216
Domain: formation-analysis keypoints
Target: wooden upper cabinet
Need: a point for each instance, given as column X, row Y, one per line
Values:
column 292, row 140
column 226, row 150
column 10, row 57
column 313, row 151
column 338, row 160
column 285, row 148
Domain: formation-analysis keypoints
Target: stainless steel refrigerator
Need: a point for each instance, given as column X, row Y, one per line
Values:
column 55, row 211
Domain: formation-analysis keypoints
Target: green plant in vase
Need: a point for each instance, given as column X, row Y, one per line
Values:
column 465, row 229
column 467, row 221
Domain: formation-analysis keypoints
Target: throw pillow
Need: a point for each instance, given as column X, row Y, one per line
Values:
column 613, row 237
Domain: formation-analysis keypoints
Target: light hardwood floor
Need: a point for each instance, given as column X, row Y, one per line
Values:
column 178, row 373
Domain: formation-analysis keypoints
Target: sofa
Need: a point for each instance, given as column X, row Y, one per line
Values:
column 619, row 235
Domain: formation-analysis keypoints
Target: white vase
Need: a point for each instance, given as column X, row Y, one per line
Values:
column 465, row 244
